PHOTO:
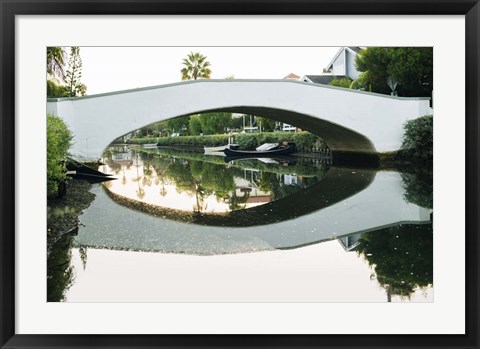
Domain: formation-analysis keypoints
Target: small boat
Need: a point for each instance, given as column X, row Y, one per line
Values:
column 210, row 150
column 150, row 146
column 214, row 153
column 78, row 170
column 281, row 150
column 221, row 148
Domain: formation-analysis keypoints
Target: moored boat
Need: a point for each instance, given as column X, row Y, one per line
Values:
column 281, row 150
column 218, row 149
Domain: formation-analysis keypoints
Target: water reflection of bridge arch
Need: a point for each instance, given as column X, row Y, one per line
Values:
column 378, row 205
column 306, row 201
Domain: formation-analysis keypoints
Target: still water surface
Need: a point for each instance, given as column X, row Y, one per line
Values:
column 183, row 227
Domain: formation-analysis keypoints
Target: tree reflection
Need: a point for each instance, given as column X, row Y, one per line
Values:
column 200, row 205
column 83, row 256
column 140, row 192
column 204, row 178
column 234, row 202
column 419, row 187
column 124, row 178
column 401, row 256
column 59, row 269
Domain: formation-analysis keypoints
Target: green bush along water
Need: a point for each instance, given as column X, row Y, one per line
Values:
column 304, row 141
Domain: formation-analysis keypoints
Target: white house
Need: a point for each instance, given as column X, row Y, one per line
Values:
column 343, row 63
column 341, row 66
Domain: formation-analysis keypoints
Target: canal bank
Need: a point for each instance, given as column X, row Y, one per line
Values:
column 63, row 213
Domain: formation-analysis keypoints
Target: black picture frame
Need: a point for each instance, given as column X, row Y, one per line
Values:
column 11, row 8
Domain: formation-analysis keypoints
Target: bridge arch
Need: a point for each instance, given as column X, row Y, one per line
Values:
column 351, row 121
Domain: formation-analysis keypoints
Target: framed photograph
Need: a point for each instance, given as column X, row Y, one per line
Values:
column 257, row 174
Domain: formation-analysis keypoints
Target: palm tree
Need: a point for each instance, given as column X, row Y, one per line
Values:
column 56, row 62
column 196, row 66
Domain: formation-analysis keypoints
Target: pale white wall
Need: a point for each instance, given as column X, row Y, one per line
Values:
column 352, row 71
column 98, row 120
column 338, row 67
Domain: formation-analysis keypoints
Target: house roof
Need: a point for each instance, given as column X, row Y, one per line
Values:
column 356, row 49
column 323, row 79
column 353, row 49
column 292, row 76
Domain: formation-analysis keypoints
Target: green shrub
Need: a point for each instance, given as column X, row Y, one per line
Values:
column 246, row 141
column 343, row 82
column 59, row 141
column 418, row 139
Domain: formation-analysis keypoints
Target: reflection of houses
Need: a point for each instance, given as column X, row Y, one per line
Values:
column 350, row 242
column 290, row 179
column 122, row 157
column 247, row 188
column 259, row 199
column 341, row 66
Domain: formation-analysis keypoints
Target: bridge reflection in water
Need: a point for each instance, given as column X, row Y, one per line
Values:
column 344, row 203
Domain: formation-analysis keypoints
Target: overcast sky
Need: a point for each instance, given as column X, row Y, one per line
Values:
column 107, row 69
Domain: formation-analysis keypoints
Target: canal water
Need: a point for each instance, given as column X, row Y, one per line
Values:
column 177, row 226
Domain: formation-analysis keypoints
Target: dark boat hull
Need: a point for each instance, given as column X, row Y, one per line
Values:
column 82, row 171
column 256, row 154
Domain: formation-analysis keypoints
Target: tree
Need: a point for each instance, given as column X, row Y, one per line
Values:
column 56, row 72
column 195, row 125
column 56, row 62
column 268, row 125
column 59, row 141
column 55, row 90
column 374, row 62
column 343, row 82
column 209, row 123
column 235, row 123
column 196, row 66
column 410, row 67
column 214, row 123
column 74, row 74
column 177, row 124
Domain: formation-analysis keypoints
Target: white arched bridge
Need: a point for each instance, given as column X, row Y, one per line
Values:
column 348, row 120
